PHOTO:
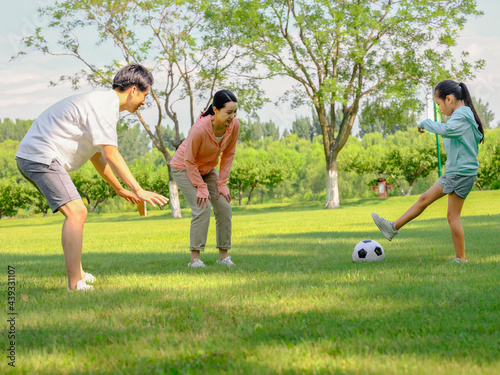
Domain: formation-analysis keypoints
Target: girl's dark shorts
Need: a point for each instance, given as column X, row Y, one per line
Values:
column 460, row 184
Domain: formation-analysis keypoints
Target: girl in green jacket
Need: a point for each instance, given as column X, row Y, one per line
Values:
column 462, row 134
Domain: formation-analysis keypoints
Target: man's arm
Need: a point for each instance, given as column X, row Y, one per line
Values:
column 107, row 174
column 117, row 164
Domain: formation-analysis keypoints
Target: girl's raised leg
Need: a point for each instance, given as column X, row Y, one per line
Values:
column 430, row 196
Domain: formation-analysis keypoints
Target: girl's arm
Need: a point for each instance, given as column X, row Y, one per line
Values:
column 454, row 128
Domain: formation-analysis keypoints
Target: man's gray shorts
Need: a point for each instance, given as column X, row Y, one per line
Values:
column 460, row 184
column 52, row 181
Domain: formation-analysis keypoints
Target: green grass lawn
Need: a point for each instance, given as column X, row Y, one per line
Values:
column 295, row 304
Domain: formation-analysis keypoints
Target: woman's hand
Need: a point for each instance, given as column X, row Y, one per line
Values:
column 420, row 130
column 227, row 196
column 201, row 202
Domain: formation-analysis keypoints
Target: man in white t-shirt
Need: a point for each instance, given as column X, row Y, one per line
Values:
column 65, row 137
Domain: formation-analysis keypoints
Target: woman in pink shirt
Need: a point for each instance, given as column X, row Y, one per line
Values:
column 193, row 169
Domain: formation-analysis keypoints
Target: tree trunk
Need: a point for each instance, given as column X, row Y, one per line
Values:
column 241, row 195
column 332, row 186
column 173, row 191
column 408, row 193
column 250, row 194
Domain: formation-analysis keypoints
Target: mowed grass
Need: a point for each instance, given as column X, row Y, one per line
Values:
column 296, row 303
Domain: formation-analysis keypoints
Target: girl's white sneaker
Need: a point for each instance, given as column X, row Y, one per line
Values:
column 458, row 260
column 81, row 286
column 89, row 278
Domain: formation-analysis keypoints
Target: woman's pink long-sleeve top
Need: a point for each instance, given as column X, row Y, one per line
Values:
column 199, row 154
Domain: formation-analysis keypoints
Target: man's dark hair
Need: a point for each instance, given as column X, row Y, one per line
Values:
column 133, row 75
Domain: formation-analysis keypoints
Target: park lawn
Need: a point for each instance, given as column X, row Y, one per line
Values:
column 296, row 303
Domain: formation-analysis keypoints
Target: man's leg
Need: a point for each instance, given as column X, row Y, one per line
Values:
column 75, row 214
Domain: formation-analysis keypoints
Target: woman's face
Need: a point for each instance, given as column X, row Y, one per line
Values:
column 226, row 114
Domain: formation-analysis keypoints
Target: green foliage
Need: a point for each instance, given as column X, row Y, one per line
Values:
column 14, row 130
column 8, row 166
column 133, row 143
column 252, row 168
column 12, row 197
column 488, row 174
column 254, row 129
column 406, row 156
column 484, row 112
column 91, row 186
column 388, row 117
column 150, row 177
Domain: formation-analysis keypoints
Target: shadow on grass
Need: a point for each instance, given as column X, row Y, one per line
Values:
column 208, row 335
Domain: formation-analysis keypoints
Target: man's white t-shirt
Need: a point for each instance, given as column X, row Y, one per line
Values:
column 71, row 130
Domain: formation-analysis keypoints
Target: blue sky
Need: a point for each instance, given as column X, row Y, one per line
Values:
column 26, row 91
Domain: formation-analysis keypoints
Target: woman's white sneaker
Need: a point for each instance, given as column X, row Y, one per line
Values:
column 196, row 263
column 226, row 261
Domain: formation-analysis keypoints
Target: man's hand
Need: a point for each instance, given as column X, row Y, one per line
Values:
column 128, row 195
column 151, row 197
column 228, row 197
column 420, row 130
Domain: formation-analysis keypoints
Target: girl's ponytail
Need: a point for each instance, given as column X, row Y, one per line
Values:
column 460, row 92
column 468, row 102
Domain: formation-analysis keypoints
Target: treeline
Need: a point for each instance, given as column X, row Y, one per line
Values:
column 267, row 167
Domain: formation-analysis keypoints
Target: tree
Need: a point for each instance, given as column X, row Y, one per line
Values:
column 387, row 117
column 193, row 57
column 340, row 52
column 133, row 142
column 14, row 130
column 488, row 174
column 252, row 168
column 91, row 186
column 404, row 156
column 12, row 197
column 302, row 127
column 8, row 166
column 484, row 112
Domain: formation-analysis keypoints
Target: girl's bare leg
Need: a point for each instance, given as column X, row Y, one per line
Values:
column 430, row 196
column 455, row 204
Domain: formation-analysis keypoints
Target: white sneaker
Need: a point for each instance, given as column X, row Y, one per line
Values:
column 196, row 263
column 89, row 278
column 226, row 261
column 458, row 260
column 81, row 285
column 386, row 227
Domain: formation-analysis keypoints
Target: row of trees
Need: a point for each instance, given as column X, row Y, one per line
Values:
column 339, row 53
column 271, row 170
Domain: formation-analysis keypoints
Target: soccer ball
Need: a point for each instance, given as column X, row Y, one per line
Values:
column 368, row 251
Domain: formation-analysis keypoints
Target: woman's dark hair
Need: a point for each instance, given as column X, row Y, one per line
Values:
column 220, row 99
column 460, row 92
column 133, row 75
